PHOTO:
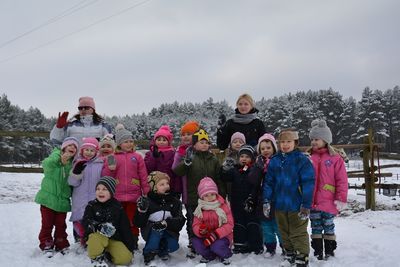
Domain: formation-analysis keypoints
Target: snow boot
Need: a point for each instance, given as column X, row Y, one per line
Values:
column 330, row 246
column 148, row 257
column 99, row 261
column 301, row 260
column 135, row 242
column 48, row 252
column 204, row 260
column 270, row 250
column 226, row 261
column 317, row 245
column 288, row 259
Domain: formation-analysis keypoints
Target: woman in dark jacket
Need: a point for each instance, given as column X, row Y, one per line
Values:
column 245, row 121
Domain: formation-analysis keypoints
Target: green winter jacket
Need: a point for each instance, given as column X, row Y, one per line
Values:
column 203, row 164
column 55, row 191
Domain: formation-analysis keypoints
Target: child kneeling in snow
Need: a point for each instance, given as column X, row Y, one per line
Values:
column 212, row 224
column 107, row 227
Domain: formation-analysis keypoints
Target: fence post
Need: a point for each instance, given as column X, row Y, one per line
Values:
column 369, row 171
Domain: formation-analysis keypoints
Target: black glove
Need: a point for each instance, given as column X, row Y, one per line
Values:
column 143, row 204
column 260, row 163
column 156, row 153
column 107, row 229
column 249, row 205
column 188, row 156
column 228, row 164
column 160, row 226
column 221, row 121
column 79, row 167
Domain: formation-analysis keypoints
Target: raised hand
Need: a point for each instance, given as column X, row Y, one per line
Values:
column 79, row 167
column 62, row 119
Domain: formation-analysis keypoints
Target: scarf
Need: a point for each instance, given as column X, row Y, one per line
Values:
column 215, row 205
column 244, row 118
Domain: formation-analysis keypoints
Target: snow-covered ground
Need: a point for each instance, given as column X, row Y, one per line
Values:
column 367, row 238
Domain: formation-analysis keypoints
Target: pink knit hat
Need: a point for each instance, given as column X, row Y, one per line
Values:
column 266, row 137
column 86, row 101
column 90, row 142
column 206, row 185
column 70, row 141
column 164, row 131
column 238, row 135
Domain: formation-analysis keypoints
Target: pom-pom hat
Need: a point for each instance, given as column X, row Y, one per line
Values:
column 164, row 131
column 319, row 130
column 122, row 134
column 206, row 185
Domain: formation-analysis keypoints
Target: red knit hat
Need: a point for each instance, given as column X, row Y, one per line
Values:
column 190, row 127
column 86, row 101
column 206, row 185
column 164, row 131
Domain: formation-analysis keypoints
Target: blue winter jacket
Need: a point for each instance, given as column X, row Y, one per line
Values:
column 289, row 181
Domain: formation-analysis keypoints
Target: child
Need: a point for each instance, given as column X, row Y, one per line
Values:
column 86, row 172
column 212, row 224
column 289, row 185
column 266, row 148
column 197, row 163
column 107, row 146
column 160, row 218
column 107, row 227
column 330, row 192
column 237, row 141
column 246, row 189
column 54, row 197
column 161, row 156
column 130, row 172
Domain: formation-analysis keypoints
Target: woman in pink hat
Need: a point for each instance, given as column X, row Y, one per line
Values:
column 86, row 123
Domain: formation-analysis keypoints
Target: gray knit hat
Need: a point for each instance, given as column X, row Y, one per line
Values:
column 108, row 182
column 319, row 130
column 248, row 150
column 122, row 134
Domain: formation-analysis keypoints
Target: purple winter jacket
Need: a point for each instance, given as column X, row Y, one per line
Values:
column 84, row 187
column 179, row 154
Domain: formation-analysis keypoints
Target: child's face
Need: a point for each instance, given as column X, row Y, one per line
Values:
column 266, row 149
column 162, row 186
column 161, row 141
column 317, row 143
column 286, row 146
column 244, row 106
column 102, row 193
column 202, row 145
column 237, row 144
column 210, row 197
column 89, row 152
column 186, row 138
column 127, row 146
column 70, row 149
column 244, row 159
column 106, row 150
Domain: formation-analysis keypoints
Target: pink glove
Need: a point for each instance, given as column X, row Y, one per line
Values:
column 340, row 205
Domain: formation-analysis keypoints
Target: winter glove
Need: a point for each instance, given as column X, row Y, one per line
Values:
column 249, row 204
column 210, row 239
column 221, row 121
column 112, row 164
column 160, row 226
column 156, row 153
column 260, row 163
column 267, row 209
column 304, row 213
column 228, row 164
column 79, row 167
column 62, row 119
column 107, row 229
column 203, row 229
column 143, row 204
column 188, row 156
column 340, row 205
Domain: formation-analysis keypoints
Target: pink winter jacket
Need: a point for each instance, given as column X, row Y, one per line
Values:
column 210, row 219
column 131, row 176
column 331, row 181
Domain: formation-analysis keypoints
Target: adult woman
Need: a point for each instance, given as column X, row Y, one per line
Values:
column 244, row 120
column 87, row 123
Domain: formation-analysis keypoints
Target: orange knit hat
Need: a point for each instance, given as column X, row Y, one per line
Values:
column 190, row 127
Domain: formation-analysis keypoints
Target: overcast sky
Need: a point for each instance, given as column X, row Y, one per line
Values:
column 189, row 50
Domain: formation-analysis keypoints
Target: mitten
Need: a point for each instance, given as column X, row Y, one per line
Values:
column 143, row 204
column 340, row 205
column 228, row 164
column 156, row 153
column 62, row 119
column 188, row 156
column 221, row 121
column 79, row 167
column 107, row 229
column 304, row 213
column 160, row 226
column 267, row 209
column 210, row 239
column 249, row 204
column 203, row 229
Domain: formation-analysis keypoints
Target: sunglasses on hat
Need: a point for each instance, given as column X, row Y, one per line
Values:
column 84, row 108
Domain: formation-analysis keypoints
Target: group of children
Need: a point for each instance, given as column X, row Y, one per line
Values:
column 259, row 197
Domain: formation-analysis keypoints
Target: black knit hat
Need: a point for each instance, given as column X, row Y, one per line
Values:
column 108, row 182
column 248, row 150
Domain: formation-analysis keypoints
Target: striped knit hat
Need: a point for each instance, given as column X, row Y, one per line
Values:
column 108, row 182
